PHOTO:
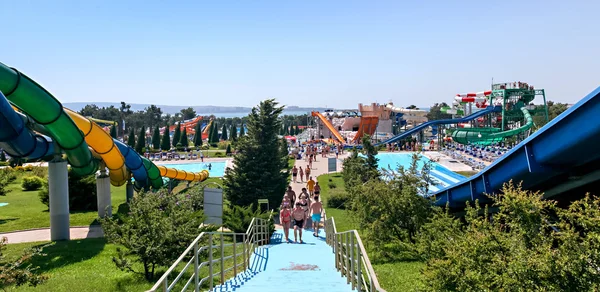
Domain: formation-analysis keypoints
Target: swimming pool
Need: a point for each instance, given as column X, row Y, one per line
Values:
column 217, row 168
column 443, row 176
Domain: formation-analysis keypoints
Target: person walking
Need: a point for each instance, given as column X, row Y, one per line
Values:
column 310, row 184
column 301, row 173
column 285, row 217
column 317, row 189
column 299, row 218
column 307, row 171
column 317, row 209
column 291, row 195
column 294, row 174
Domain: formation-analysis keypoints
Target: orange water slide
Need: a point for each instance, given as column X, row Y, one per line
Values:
column 367, row 125
column 189, row 125
column 329, row 126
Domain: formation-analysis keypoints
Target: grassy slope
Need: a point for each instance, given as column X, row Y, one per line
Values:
column 397, row 276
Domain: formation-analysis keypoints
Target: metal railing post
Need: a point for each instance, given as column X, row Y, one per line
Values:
column 234, row 256
column 347, row 261
column 244, row 252
column 210, row 260
column 166, row 285
column 222, row 261
column 196, row 272
column 358, row 271
column 336, row 250
column 352, row 280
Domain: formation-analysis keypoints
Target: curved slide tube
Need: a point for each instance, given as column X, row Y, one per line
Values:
column 422, row 127
column 368, row 125
column 485, row 136
column 329, row 126
column 16, row 139
column 102, row 143
column 44, row 109
column 402, row 110
column 559, row 159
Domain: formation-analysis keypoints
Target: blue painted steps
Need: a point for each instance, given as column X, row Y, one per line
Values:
column 280, row 266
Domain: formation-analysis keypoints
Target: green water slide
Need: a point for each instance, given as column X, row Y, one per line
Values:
column 45, row 110
column 487, row 136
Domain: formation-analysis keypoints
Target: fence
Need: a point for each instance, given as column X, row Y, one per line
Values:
column 233, row 250
column 351, row 258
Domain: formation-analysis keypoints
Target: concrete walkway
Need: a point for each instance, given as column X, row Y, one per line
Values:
column 282, row 266
column 43, row 234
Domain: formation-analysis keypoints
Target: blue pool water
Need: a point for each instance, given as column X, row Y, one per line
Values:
column 3, row 204
column 217, row 169
column 443, row 176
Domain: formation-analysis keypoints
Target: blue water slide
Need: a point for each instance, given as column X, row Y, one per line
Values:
column 134, row 163
column 423, row 126
column 561, row 159
column 19, row 141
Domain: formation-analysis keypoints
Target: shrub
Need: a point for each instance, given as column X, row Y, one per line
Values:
column 205, row 147
column 338, row 199
column 82, row 193
column 4, row 163
column 18, row 168
column 228, row 151
column 17, row 271
column 32, row 183
column 28, row 167
column 238, row 218
column 214, row 145
column 8, row 174
column 157, row 230
column 222, row 145
column 219, row 154
column 332, row 185
column 4, row 187
column 14, row 162
column 40, row 171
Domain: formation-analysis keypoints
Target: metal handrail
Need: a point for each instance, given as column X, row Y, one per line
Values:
column 351, row 258
column 255, row 236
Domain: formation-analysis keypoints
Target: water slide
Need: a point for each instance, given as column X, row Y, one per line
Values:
column 329, row 126
column 487, row 136
column 414, row 112
column 423, row 126
column 86, row 146
column 367, row 125
column 561, row 160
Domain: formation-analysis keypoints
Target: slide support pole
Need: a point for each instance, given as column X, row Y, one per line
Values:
column 129, row 191
column 58, row 177
column 103, row 193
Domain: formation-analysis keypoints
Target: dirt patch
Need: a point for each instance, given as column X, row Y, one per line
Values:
column 301, row 267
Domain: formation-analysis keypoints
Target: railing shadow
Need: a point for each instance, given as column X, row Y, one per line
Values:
column 258, row 263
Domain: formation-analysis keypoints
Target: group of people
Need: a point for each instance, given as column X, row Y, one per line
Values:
column 296, row 209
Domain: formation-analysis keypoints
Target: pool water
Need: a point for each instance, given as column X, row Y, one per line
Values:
column 443, row 176
column 217, row 169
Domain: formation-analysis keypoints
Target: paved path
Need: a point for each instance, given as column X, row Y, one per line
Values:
column 43, row 234
column 290, row 267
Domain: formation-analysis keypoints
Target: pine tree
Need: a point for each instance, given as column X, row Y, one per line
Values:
column 156, row 139
column 282, row 130
column 215, row 134
column 165, row 144
column 292, row 130
column 177, row 134
column 242, row 131
column 2, row 156
column 224, row 133
column 198, row 135
column 141, row 141
column 228, row 150
column 259, row 150
column 211, row 129
column 113, row 132
column 286, row 130
column 131, row 138
column 298, row 131
column 184, row 141
column 233, row 133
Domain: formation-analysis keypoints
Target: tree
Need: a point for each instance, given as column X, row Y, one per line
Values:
column 131, row 138
column 370, row 151
column 184, row 141
column 2, row 155
column 113, row 132
column 157, row 229
column 224, row 132
column 260, row 149
column 90, row 110
column 18, row 271
column 435, row 112
column 215, row 134
column 412, row 106
column 153, row 115
column 228, row 150
column 198, row 135
column 233, row 133
column 554, row 110
column 156, row 138
column 165, row 144
column 297, row 128
column 188, row 113
column 242, row 130
column 177, row 134
column 141, row 141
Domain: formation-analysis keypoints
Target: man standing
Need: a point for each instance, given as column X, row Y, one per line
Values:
column 310, row 184
column 316, row 208
column 291, row 195
column 299, row 218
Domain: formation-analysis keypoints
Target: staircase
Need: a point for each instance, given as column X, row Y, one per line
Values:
column 281, row 266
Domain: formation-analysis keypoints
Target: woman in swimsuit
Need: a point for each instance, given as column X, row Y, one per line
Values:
column 295, row 173
column 285, row 217
column 304, row 203
column 307, row 171
column 317, row 189
column 301, row 172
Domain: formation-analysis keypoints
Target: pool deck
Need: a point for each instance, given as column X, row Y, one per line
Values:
column 446, row 161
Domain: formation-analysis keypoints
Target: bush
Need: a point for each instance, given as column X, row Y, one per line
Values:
column 17, row 271
column 40, row 171
column 82, row 193
column 205, row 147
column 28, row 167
column 32, row 183
column 332, row 185
column 158, row 228
column 4, row 163
column 214, row 145
column 219, row 154
column 8, row 174
column 228, row 150
column 14, row 162
column 338, row 199
column 222, row 145
column 238, row 218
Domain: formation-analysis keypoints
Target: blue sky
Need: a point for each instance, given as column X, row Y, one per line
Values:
column 309, row 53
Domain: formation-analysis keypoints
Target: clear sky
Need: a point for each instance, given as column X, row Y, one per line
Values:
column 308, row 53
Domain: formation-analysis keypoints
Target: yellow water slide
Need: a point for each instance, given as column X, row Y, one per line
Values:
column 329, row 126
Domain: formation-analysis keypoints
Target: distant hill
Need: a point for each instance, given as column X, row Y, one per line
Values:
column 172, row 109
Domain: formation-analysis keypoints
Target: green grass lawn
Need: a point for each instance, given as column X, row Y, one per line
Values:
column 396, row 276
